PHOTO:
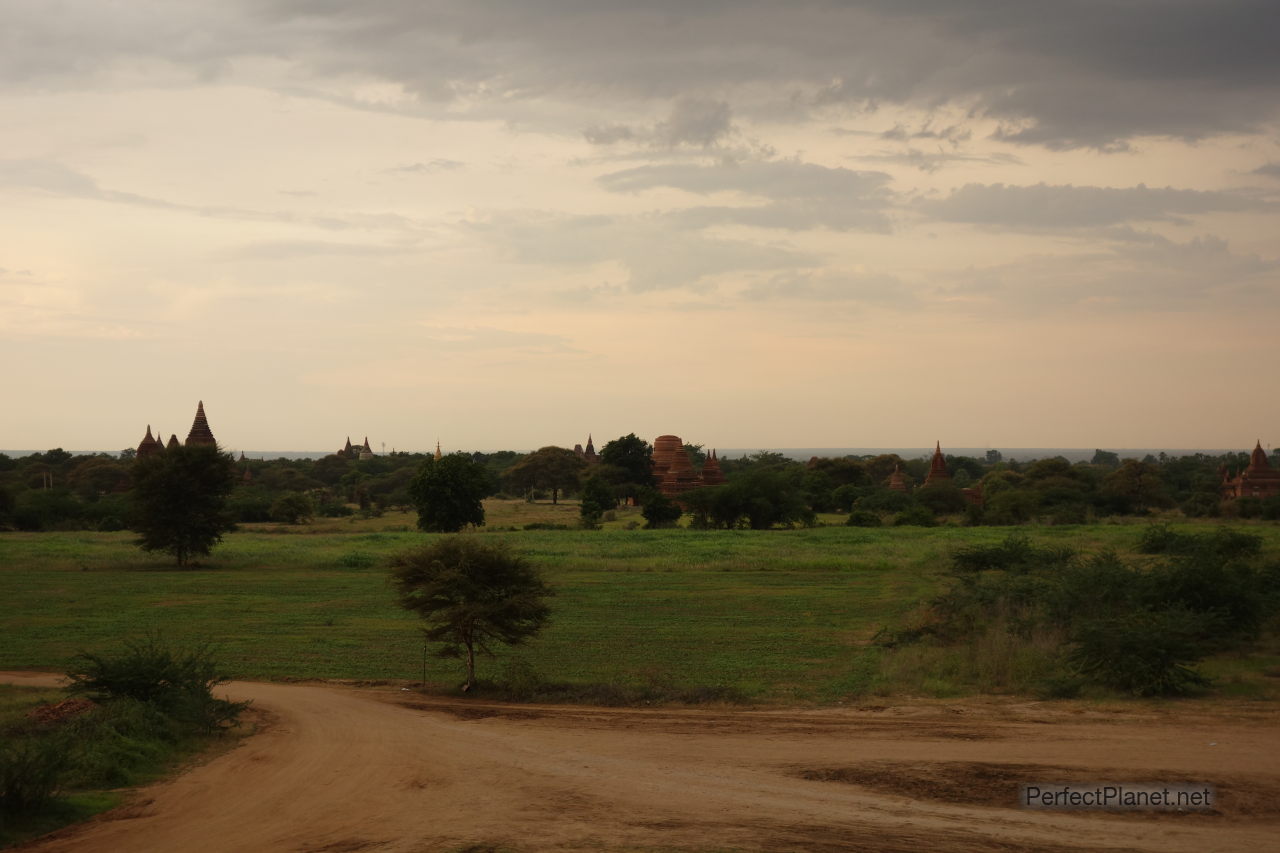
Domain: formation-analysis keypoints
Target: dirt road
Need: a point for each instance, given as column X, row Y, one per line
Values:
column 342, row 769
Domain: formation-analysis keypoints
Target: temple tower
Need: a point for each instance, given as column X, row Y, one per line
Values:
column 200, row 433
column 711, row 473
column 938, row 473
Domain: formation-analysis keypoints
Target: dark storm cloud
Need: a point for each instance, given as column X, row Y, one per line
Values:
column 1091, row 73
column 1046, row 206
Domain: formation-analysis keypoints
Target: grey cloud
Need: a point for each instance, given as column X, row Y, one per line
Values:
column 1270, row 170
column 834, row 286
column 1048, row 206
column 55, row 179
column 933, row 161
column 292, row 250
column 655, row 254
column 1149, row 275
column 775, row 179
column 799, row 195
column 693, row 121
column 1092, row 73
column 439, row 164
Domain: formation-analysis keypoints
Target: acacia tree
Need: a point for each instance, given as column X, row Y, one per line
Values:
column 471, row 595
column 448, row 493
column 553, row 468
column 180, row 500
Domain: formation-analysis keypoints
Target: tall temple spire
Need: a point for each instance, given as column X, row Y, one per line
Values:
column 148, row 446
column 937, row 467
column 438, row 453
column 200, row 432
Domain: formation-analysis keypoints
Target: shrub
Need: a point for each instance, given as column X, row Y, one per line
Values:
column 863, row 518
column 916, row 516
column 32, row 769
column 179, row 683
column 1143, row 653
column 660, row 511
column 292, row 508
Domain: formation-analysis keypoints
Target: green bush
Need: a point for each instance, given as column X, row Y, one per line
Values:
column 32, row 770
column 863, row 518
column 1143, row 653
column 179, row 683
column 916, row 516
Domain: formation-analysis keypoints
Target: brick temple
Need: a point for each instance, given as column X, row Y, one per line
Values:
column 355, row 451
column 200, row 434
column 1257, row 480
column 673, row 469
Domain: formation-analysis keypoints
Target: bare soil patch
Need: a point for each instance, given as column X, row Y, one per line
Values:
column 997, row 785
column 379, row 769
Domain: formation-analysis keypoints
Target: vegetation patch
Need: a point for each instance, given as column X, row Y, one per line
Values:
column 132, row 714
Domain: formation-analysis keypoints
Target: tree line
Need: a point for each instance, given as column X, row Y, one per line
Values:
column 58, row 490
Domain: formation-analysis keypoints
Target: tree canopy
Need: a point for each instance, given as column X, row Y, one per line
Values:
column 447, row 493
column 471, row 595
column 180, row 500
column 553, row 469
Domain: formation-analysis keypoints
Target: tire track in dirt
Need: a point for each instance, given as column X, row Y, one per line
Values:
column 340, row 769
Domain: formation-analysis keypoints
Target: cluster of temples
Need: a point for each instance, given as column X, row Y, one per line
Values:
column 588, row 453
column 673, row 469
column 199, row 434
column 1257, row 480
column 356, row 451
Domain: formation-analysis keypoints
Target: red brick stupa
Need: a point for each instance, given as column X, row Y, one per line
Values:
column 672, row 467
column 1258, row 480
column 938, row 473
column 711, row 473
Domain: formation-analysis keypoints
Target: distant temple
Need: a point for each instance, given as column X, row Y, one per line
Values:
column 939, row 475
column 673, row 469
column 356, row 451
column 897, row 480
column 200, row 434
column 1257, row 480
column 589, row 453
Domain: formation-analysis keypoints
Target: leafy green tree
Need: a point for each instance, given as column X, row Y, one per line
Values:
column 471, row 595
column 1137, row 485
column 554, row 469
column 659, row 510
column 448, row 493
column 628, row 464
column 941, row 498
column 180, row 500
column 293, row 508
column 597, row 498
column 1105, row 457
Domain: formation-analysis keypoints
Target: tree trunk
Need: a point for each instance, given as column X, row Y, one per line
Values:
column 554, row 494
column 471, row 667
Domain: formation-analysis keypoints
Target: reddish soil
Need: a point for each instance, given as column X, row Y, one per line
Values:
column 380, row 769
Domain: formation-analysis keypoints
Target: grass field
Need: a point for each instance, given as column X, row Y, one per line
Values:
column 771, row 615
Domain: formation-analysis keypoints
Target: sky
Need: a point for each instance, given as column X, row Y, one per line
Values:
column 512, row 223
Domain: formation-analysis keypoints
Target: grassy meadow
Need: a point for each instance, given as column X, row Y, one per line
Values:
column 770, row 616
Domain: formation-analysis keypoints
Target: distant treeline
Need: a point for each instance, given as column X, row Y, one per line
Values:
column 57, row 490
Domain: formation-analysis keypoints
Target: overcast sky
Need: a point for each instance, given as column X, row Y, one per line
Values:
column 509, row 223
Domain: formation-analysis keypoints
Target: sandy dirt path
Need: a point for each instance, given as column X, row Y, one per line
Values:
column 342, row 769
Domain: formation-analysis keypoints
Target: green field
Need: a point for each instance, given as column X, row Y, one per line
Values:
column 781, row 615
